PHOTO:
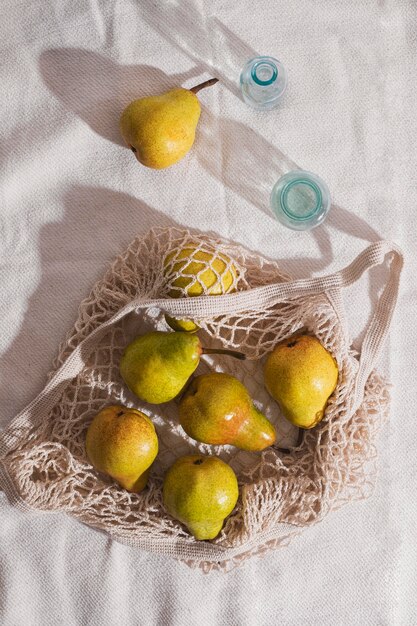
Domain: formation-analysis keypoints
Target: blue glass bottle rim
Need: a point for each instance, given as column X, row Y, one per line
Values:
column 264, row 61
column 284, row 195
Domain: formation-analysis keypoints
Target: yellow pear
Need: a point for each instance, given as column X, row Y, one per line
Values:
column 122, row 443
column 216, row 408
column 160, row 130
column 200, row 491
column 300, row 374
column 194, row 271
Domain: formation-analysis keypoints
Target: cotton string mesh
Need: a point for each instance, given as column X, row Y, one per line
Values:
column 47, row 464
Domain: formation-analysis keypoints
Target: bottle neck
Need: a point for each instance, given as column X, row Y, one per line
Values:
column 264, row 72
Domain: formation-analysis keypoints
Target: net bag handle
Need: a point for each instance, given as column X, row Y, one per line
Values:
column 263, row 297
column 258, row 298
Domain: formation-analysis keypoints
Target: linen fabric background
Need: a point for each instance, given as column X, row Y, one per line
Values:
column 72, row 197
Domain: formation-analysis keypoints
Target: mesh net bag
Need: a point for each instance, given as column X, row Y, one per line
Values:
column 43, row 464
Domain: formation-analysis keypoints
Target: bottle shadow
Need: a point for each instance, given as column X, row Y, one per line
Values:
column 206, row 41
column 97, row 89
column 243, row 161
column 249, row 165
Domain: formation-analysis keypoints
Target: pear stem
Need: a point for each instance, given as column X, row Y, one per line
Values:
column 207, row 83
column 236, row 355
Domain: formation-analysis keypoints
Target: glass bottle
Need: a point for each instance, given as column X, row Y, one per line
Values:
column 263, row 80
column 300, row 200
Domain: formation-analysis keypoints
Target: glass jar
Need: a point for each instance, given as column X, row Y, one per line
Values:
column 263, row 80
column 300, row 200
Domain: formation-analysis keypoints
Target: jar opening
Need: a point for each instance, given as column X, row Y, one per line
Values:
column 264, row 73
column 301, row 199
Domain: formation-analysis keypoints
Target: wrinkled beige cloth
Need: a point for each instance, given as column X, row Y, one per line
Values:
column 72, row 198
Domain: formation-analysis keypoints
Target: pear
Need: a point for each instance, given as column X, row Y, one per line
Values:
column 122, row 443
column 160, row 130
column 200, row 492
column 300, row 374
column 193, row 271
column 157, row 365
column 217, row 409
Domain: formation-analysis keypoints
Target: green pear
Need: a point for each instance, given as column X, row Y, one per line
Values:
column 160, row 130
column 156, row 366
column 200, row 492
column 300, row 374
column 122, row 443
column 217, row 409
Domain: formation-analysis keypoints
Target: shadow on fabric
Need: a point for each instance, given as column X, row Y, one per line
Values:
column 74, row 253
column 97, row 89
column 206, row 41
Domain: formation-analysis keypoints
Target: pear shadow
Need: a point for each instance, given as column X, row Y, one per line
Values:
column 205, row 41
column 97, row 89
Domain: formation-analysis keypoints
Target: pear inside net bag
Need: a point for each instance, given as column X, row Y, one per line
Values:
column 43, row 464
